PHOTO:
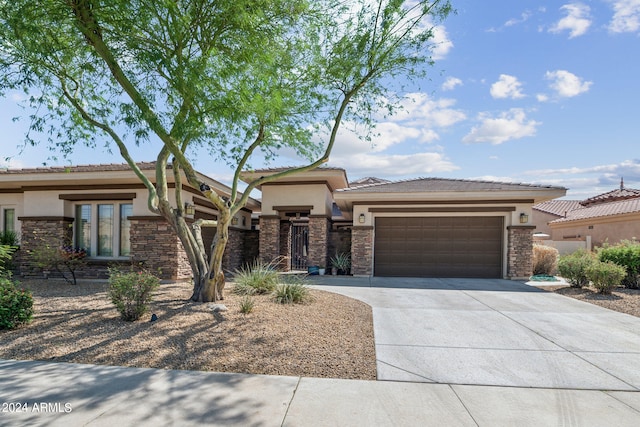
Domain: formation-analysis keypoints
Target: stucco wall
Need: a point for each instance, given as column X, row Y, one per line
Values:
column 601, row 230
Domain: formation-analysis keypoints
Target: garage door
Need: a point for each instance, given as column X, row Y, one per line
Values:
column 438, row 247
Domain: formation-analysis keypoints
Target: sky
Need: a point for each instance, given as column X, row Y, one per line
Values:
column 521, row 91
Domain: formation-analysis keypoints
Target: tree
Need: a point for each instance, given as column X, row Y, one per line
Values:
column 237, row 79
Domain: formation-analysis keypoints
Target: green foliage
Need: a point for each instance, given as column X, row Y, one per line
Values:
column 341, row 261
column 65, row 260
column 6, row 253
column 131, row 292
column 256, row 278
column 573, row 268
column 605, row 276
column 293, row 291
column 9, row 238
column 627, row 255
column 545, row 259
column 16, row 305
column 247, row 304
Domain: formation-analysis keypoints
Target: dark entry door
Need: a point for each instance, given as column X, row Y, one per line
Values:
column 299, row 246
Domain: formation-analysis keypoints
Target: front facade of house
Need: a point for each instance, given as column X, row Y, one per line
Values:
column 422, row 228
column 103, row 209
column 425, row 227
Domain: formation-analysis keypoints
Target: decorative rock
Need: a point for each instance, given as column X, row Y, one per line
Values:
column 217, row 307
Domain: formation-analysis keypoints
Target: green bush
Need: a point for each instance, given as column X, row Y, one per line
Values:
column 247, row 304
column 16, row 305
column 131, row 292
column 256, row 278
column 627, row 255
column 545, row 259
column 605, row 276
column 573, row 268
column 293, row 291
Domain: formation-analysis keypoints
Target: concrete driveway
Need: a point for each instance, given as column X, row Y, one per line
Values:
column 494, row 332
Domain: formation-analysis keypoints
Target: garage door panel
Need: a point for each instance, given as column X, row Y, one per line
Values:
column 439, row 247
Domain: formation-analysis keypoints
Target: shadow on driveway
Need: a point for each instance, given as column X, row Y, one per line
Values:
column 461, row 284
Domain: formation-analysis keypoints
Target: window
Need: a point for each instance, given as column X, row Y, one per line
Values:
column 9, row 220
column 103, row 229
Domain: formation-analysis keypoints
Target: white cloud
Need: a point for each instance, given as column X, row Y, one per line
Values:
column 567, row 84
column 515, row 21
column 441, row 43
column 512, row 124
column 541, row 97
column 422, row 111
column 390, row 165
column 577, row 21
column 451, row 83
column 507, row 87
column 626, row 17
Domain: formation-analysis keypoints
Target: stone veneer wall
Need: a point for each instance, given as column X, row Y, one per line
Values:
column 362, row 251
column 157, row 246
column 339, row 241
column 520, row 252
column 319, row 227
column 38, row 231
column 286, row 229
column 242, row 249
column 269, row 240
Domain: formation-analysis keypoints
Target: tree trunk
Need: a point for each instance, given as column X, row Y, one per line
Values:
column 208, row 283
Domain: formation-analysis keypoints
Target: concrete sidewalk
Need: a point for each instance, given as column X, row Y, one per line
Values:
column 61, row 394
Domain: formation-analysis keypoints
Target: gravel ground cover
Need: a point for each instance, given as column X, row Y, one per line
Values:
column 331, row 337
column 621, row 299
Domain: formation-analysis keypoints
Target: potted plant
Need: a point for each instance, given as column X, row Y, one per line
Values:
column 341, row 262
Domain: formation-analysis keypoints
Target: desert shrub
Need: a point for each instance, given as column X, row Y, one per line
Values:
column 341, row 262
column 293, row 290
column 256, row 278
column 573, row 268
column 605, row 276
column 247, row 304
column 131, row 292
column 65, row 260
column 545, row 259
column 627, row 255
column 16, row 305
column 9, row 238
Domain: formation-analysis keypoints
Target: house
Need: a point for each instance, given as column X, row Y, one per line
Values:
column 103, row 209
column 606, row 218
column 426, row 227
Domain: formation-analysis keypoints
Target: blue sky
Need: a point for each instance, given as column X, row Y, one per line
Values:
column 521, row 91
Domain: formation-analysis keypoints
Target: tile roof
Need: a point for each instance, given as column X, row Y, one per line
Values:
column 602, row 210
column 367, row 180
column 558, row 207
column 612, row 196
column 81, row 168
column 419, row 185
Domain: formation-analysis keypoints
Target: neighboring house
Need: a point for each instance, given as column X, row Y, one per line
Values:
column 606, row 218
column 103, row 209
column 425, row 227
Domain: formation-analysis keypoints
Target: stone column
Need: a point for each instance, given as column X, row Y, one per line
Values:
column 285, row 245
column 362, row 251
column 39, row 231
column 319, row 226
column 520, row 252
column 269, row 241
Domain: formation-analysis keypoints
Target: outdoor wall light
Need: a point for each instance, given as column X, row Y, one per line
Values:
column 524, row 218
column 234, row 220
column 361, row 218
column 189, row 209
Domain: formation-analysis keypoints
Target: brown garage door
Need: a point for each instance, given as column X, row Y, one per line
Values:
column 438, row 247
